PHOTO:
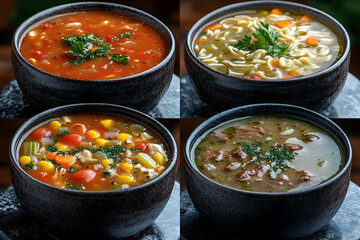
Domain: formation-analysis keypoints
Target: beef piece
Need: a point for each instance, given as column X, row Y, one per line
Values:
column 293, row 147
column 248, row 132
column 305, row 176
column 238, row 153
column 312, row 137
column 253, row 170
column 218, row 135
column 233, row 166
column 213, row 156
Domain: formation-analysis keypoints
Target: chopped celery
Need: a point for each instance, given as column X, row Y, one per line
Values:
column 137, row 128
column 145, row 160
column 122, row 126
column 31, row 148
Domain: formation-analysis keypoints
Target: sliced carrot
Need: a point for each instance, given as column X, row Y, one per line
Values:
column 71, row 139
column 311, row 41
column 293, row 73
column 305, row 18
column 284, row 24
column 275, row 62
column 213, row 27
column 159, row 169
column 78, row 128
column 65, row 160
column 50, row 155
column 83, row 176
column 200, row 40
column 276, row 11
column 286, row 76
column 255, row 76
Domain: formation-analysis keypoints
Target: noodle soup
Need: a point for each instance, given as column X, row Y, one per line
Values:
column 262, row 44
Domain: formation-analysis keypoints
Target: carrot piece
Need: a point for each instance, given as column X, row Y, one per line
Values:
column 275, row 62
column 201, row 40
column 71, row 139
column 284, row 24
column 65, row 160
column 286, row 76
column 40, row 132
column 255, row 76
column 159, row 169
column 50, row 155
column 293, row 73
column 213, row 27
column 311, row 41
column 305, row 18
column 78, row 128
column 276, row 11
column 83, row 176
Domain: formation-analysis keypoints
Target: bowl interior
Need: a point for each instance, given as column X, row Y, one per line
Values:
column 105, row 109
column 40, row 17
column 233, row 9
column 271, row 109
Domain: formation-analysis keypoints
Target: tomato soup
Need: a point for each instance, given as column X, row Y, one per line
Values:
column 93, row 152
column 93, row 45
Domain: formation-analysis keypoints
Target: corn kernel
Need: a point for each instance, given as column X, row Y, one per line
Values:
column 61, row 147
column 25, row 160
column 159, row 158
column 55, row 125
column 106, row 162
column 46, row 166
column 123, row 137
column 100, row 142
column 93, row 134
column 125, row 179
column 125, row 167
column 107, row 123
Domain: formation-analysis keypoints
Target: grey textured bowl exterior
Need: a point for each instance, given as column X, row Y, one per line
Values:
column 287, row 215
column 141, row 91
column 222, row 91
column 96, row 214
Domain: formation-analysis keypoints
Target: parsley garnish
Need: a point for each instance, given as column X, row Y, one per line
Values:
column 136, row 170
column 55, row 138
column 116, row 38
column 72, row 169
column 119, row 58
column 51, row 148
column 63, row 133
column 55, row 57
column 134, row 161
column 135, row 149
column 62, row 152
column 29, row 165
column 112, row 165
column 73, row 186
column 250, row 150
column 57, row 165
column 227, row 71
column 265, row 39
column 126, row 34
column 106, row 173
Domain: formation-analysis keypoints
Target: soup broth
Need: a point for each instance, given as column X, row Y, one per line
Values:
column 269, row 154
column 268, row 44
column 93, row 152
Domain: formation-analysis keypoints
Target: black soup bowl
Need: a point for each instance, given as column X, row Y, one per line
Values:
column 290, row 214
column 96, row 214
column 141, row 91
column 222, row 91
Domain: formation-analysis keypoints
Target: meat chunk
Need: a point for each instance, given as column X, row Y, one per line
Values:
column 218, row 135
column 312, row 137
column 293, row 147
column 254, row 170
column 238, row 153
column 233, row 166
column 305, row 176
column 249, row 132
column 213, row 156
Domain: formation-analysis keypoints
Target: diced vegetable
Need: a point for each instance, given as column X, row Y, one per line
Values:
column 284, row 24
column 141, row 146
column 145, row 160
column 311, row 41
column 276, row 11
column 61, row 147
column 40, row 132
column 65, row 160
column 126, row 167
column 71, row 139
column 125, row 179
column 93, row 134
column 24, row 160
column 160, row 159
column 54, row 125
column 100, row 155
column 31, row 148
column 137, row 128
column 100, row 142
column 106, row 162
column 50, row 155
column 111, row 135
column 123, row 137
column 78, row 128
column 46, row 166
column 47, row 141
column 107, row 123
column 83, row 176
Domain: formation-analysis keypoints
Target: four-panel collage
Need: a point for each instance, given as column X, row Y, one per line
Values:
column 185, row 119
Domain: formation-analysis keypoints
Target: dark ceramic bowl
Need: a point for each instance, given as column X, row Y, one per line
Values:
column 97, row 214
column 141, row 91
column 222, row 91
column 288, row 214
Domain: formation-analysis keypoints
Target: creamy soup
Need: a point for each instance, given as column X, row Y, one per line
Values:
column 268, row 44
column 268, row 154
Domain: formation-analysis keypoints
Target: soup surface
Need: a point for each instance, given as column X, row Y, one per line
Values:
column 93, row 45
column 268, row 154
column 93, row 152
column 275, row 44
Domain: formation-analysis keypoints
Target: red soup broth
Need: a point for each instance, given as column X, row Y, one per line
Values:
column 44, row 47
column 93, row 152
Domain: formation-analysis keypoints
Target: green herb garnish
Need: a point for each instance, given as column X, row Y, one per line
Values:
column 136, row 170
column 227, row 71
column 119, row 58
column 126, row 34
column 72, row 169
column 73, row 186
column 63, row 133
column 116, row 38
column 29, row 166
column 135, row 149
column 57, row 165
column 112, row 165
column 55, row 57
column 250, row 150
column 62, row 152
column 245, row 44
column 51, row 148
column 106, row 173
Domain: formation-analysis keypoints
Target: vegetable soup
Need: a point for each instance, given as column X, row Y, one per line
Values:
column 93, row 45
column 268, row 44
column 269, row 154
column 93, row 152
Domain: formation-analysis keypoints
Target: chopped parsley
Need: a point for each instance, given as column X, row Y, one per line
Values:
column 106, row 173
column 55, row 57
column 135, row 149
column 51, row 148
column 227, row 71
column 136, row 170
column 116, row 38
column 57, row 165
column 119, row 58
column 62, row 152
column 55, row 138
column 63, row 133
column 72, row 169
column 73, row 186
column 112, row 165
column 126, row 34
column 134, row 161
column 250, row 150
column 264, row 39
column 117, row 159
column 29, row 166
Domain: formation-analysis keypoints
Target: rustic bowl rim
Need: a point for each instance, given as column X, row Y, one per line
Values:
column 188, row 148
column 62, row 9
column 203, row 21
column 161, row 130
